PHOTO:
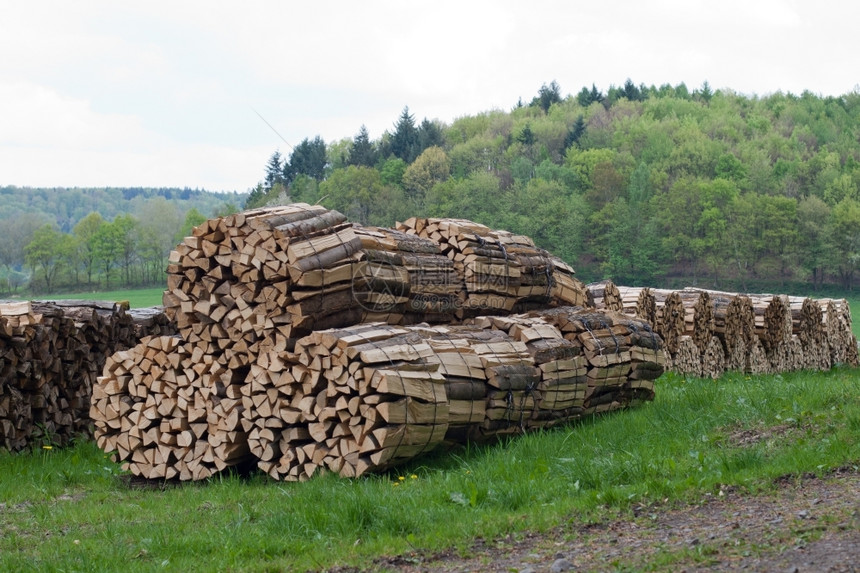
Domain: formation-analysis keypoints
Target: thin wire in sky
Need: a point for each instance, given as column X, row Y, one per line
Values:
column 272, row 128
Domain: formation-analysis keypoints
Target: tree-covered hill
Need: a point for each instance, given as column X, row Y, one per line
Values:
column 82, row 238
column 644, row 185
column 66, row 206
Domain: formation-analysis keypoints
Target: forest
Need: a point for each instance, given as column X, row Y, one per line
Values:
column 655, row 186
column 648, row 186
column 96, row 238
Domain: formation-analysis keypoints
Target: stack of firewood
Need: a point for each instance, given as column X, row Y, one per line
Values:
column 265, row 276
column 166, row 409
column 638, row 302
column 51, row 354
column 669, row 318
column 362, row 398
column 625, row 355
column 502, row 272
column 837, row 319
column 403, row 278
column 754, row 333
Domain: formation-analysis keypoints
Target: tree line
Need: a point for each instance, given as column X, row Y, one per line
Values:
column 641, row 184
column 96, row 253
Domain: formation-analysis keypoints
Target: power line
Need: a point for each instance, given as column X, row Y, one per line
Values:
column 273, row 129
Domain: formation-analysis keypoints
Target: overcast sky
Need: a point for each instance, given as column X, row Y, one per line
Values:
column 167, row 93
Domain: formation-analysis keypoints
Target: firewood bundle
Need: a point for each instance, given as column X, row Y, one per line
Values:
column 272, row 273
column 165, row 409
column 842, row 342
column 51, row 353
column 361, row 398
column 698, row 317
column 734, row 325
column 403, row 278
column 502, row 272
column 624, row 355
column 669, row 318
column 772, row 320
column 758, row 361
column 808, row 323
column 687, row 359
column 605, row 295
column 34, row 399
column 561, row 391
column 638, row 302
column 490, row 378
column 713, row 359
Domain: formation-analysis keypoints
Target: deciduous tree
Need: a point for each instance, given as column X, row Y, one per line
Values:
column 47, row 253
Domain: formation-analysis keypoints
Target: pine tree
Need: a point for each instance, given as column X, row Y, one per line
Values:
column 575, row 134
column 404, row 140
column 274, row 171
column 547, row 95
column 429, row 134
column 586, row 97
column 362, row 153
column 308, row 158
column 526, row 136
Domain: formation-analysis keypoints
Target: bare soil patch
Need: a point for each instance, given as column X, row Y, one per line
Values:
column 808, row 524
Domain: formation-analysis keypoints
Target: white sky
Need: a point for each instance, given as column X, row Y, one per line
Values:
column 166, row 93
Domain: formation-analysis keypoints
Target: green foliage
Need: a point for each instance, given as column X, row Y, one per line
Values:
column 428, row 169
column 67, row 206
column 392, row 171
column 307, row 158
column 547, row 96
column 363, row 153
column 404, row 140
column 274, row 171
column 354, row 191
column 47, row 253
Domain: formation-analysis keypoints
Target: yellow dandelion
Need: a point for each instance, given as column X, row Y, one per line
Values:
column 413, row 476
column 401, row 478
column 395, row 484
column 47, row 447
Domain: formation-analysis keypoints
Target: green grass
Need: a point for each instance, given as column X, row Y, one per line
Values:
column 854, row 304
column 72, row 510
column 137, row 298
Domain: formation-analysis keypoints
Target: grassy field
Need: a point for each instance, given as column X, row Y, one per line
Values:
column 137, row 298
column 854, row 303
column 74, row 510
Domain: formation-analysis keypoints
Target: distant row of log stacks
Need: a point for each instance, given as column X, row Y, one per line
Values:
column 361, row 398
column 51, row 354
column 709, row 332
